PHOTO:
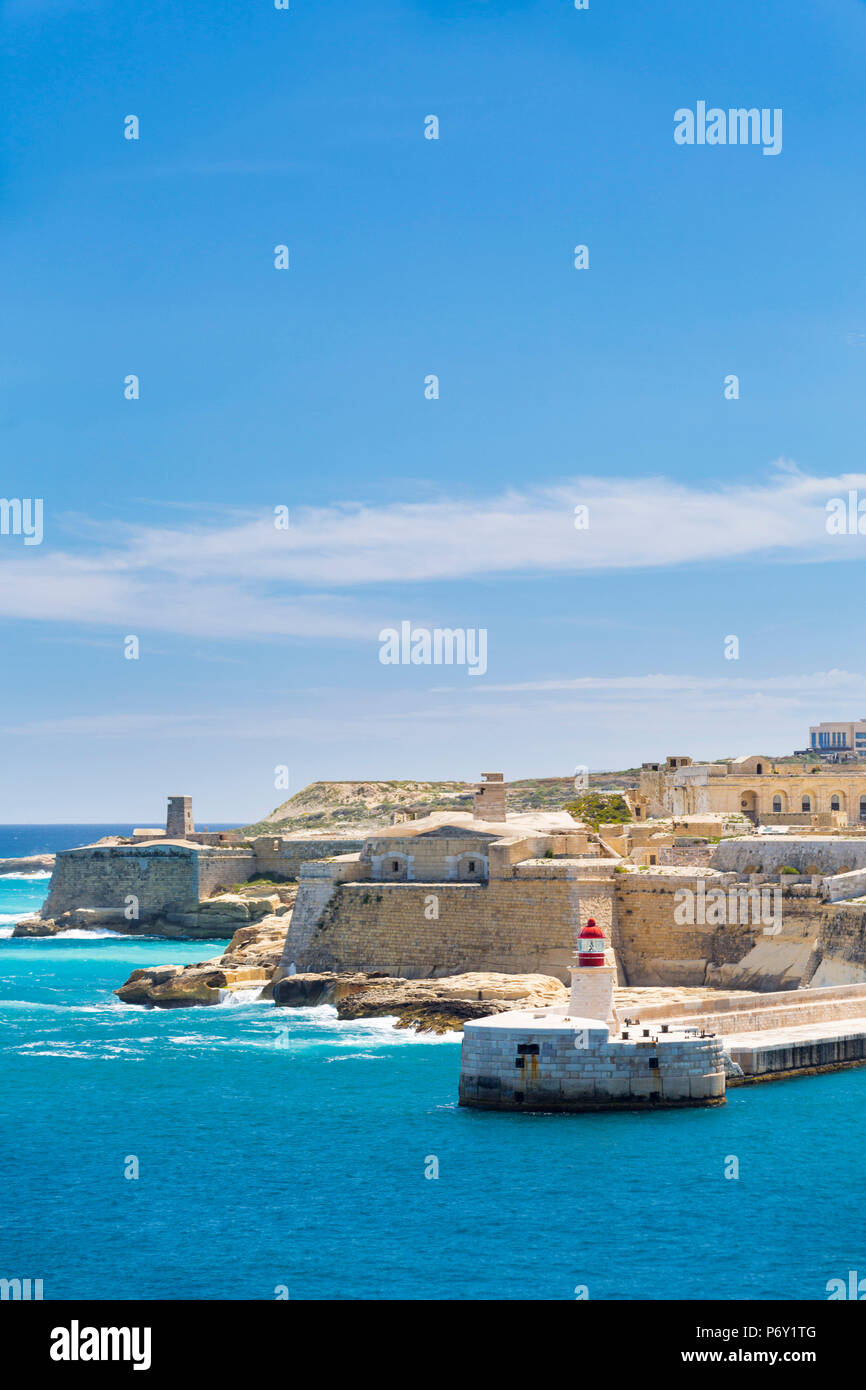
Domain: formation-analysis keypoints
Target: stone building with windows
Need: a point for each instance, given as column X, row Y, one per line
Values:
column 454, row 846
column 755, row 787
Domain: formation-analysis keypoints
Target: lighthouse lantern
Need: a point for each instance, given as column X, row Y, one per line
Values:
column 590, row 945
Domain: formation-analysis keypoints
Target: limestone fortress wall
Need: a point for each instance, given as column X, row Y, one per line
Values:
column 524, row 923
column 103, row 876
column 811, row 854
column 277, row 854
column 518, row 926
column 654, row 946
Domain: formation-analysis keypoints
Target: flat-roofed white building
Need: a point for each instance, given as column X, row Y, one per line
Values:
column 844, row 736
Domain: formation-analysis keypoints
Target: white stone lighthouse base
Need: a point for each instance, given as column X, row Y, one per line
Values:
column 592, row 993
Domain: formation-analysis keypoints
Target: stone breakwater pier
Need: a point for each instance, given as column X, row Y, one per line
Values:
column 581, row 1056
column 526, row 1061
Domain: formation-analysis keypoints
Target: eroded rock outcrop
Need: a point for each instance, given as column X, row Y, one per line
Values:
column 438, row 1006
column 226, row 912
column 83, row 918
column 175, row 986
column 249, row 961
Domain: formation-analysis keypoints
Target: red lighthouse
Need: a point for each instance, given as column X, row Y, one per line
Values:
column 590, row 945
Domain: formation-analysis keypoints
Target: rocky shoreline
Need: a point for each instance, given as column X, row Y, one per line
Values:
column 28, row 864
column 250, row 960
column 437, row 1006
column 441, row 1005
column 222, row 915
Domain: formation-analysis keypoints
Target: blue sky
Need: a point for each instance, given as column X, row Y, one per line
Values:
column 305, row 388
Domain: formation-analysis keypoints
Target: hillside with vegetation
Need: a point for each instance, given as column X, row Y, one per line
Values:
column 356, row 808
column 595, row 808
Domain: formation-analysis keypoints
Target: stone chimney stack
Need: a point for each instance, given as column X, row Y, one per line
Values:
column 179, row 822
column 490, row 797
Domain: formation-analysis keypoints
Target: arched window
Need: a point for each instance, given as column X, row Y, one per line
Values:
column 759, row 769
column 777, row 804
column 834, row 803
column 807, row 803
column 394, row 865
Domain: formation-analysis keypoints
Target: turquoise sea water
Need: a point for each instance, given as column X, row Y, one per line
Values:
column 284, row 1148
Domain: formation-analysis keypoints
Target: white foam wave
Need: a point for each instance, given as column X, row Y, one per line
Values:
column 83, row 934
column 28, row 878
column 234, row 998
column 352, row 1056
column 389, row 1031
column 323, row 1015
column 73, row 934
column 356, row 1031
column 114, row 1006
column 50, row 1053
column 58, row 1049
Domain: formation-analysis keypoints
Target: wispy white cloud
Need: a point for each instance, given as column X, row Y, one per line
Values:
column 633, row 701
column 243, row 577
column 849, row 682
column 633, row 523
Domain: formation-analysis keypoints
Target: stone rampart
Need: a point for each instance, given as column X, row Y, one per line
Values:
column 277, row 854
column 685, row 856
column 421, row 930
column 525, row 922
column 812, row 854
column 653, row 947
column 221, row 869
column 103, row 877
column 842, row 886
column 839, row 956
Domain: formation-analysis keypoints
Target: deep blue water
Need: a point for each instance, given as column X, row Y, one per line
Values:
column 264, row 1164
column 19, row 840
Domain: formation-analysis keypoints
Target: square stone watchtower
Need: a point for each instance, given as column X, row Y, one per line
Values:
column 179, row 822
column 490, row 797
